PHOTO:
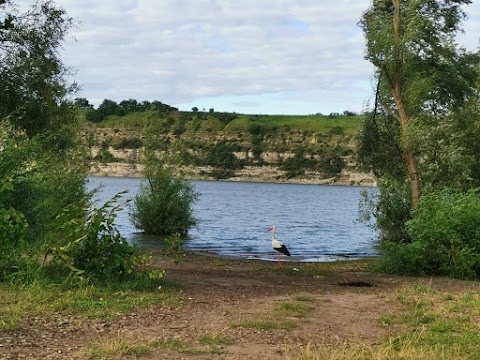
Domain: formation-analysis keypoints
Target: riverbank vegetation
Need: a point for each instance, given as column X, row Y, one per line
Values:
column 421, row 138
column 49, row 231
column 64, row 265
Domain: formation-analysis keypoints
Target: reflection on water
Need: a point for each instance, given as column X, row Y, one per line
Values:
column 317, row 223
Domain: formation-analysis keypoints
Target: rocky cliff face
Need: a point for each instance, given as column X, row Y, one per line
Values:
column 112, row 155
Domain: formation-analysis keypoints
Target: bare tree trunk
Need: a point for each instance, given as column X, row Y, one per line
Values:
column 396, row 88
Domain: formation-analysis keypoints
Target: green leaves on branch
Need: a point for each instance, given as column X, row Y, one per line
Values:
column 423, row 132
column 164, row 203
column 445, row 233
column 94, row 248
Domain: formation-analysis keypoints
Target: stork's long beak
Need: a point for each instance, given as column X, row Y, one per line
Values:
column 269, row 230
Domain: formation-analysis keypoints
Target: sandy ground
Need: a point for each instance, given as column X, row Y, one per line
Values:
column 344, row 306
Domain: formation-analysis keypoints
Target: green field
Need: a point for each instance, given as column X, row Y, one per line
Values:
column 309, row 123
column 347, row 125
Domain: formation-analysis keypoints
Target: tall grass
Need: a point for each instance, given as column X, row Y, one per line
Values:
column 436, row 325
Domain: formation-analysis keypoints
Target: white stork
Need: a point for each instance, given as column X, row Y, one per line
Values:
column 278, row 246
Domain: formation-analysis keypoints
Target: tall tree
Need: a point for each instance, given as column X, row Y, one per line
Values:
column 44, row 159
column 420, row 70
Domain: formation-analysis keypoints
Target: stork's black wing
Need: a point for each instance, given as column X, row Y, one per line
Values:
column 283, row 250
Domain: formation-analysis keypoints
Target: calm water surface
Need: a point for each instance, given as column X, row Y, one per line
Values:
column 316, row 223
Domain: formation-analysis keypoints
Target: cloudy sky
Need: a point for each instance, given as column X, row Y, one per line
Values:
column 248, row 56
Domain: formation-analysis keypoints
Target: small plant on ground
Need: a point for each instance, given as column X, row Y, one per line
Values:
column 290, row 309
column 174, row 247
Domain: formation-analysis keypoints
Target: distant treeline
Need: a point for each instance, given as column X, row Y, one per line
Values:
column 110, row 107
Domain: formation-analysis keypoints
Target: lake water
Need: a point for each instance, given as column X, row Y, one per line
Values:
column 315, row 222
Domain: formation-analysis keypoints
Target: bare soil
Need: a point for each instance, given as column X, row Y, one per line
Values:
column 345, row 304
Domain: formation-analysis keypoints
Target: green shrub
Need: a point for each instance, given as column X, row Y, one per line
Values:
column 221, row 156
column 105, row 156
column 389, row 208
column 296, row 165
column 128, row 143
column 164, row 203
column 331, row 164
column 174, row 247
column 93, row 249
column 13, row 228
column 445, row 233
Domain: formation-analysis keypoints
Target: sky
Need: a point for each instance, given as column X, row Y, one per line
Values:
column 248, row 56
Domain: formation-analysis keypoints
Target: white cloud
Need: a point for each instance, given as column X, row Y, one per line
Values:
column 253, row 56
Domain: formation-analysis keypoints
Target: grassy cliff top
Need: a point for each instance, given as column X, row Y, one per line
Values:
column 232, row 122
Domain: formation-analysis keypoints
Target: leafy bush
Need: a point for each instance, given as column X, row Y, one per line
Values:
column 296, row 166
column 93, row 249
column 389, row 208
column 445, row 233
column 13, row 229
column 174, row 247
column 164, row 204
column 105, row 156
column 129, row 143
column 331, row 164
column 221, row 155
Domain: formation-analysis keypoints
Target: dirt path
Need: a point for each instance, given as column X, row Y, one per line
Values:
column 233, row 310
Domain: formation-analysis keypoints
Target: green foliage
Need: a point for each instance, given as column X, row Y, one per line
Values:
column 13, row 228
column 105, row 156
column 129, row 143
column 164, row 203
column 389, row 208
column 43, row 205
column 109, row 108
column 309, row 123
column 424, row 113
column 174, row 247
column 445, row 233
column 93, row 249
column 296, row 165
column 378, row 146
column 221, row 155
column 34, row 98
column 42, row 194
column 330, row 164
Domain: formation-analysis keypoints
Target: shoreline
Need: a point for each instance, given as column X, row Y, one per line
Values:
column 265, row 174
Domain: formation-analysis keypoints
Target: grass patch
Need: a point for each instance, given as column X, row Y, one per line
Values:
column 395, row 348
column 17, row 302
column 119, row 347
column 264, row 324
column 289, row 309
column 213, row 340
column 436, row 325
column 305, row 298
column 311, row 123
column 281, row 312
